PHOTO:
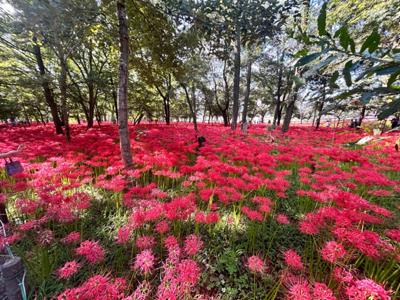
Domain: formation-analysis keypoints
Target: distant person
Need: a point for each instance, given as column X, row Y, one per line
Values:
column 11, row 153
column 328, row 123
column 395, row 122
column 5, row 155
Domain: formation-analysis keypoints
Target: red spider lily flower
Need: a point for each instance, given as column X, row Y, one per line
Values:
column 252, row 214
column 188, row 272
column 69, row 269
column 171, row 242
column 71, row 238
column 341, row 275
column 293, row 260
column 322, row 292
column 142, row 291
column 96, row 287
column 282, row 219
column 256, row 264
column 144, row 261
column 123, row 235
column 394, row 234
column 91, row 250
column 45, row 237
column 162, row 227
column 192, row 245
column 367, row 289
column 332, row 251
column 300, row 291
column 145, row 242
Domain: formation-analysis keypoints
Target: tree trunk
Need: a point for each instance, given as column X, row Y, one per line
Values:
column 166, row 99
column 98, row 116
column 63, row 93
column 40, row 115
column 278, row 98
column 123, row 129
column 289, row 111
column 48, row 95
column 246, row 96
column 362, row 114
column 92, row 105
column 223, row 109
column 314, row 114
column 321, row 105
column 320, row 108
column 192, row 104
column 167, row 109
column 91, row 91
column 236, row 70
column 115, row 98
column 138, row 119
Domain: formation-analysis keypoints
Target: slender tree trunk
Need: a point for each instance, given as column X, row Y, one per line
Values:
column 123, row 129
column 48, row 95
column 167, row 109
column 91, row 91
column 320, row 108
column 223, row 109
column 280, row 114
column 236, row 69
column 166, row 100
column 194, row 107
column 277, row 114
column 246, row 96
column 278, row 98
column 314, row 114
column 321, row 105
column 115, row 98
column 289, row 110
column 191, row 104
column 92, row 105
column 362, row 114
column 63, row 93
column 40, row 115
column 98, row 116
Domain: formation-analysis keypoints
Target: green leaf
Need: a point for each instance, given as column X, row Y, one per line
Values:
column 298, row 81
column 332, row 81
column 352, row 46
column 393, row 78
column 307, row 59
column 349, row 93
column 387, row 69
column 338, row 32
column 301, row 53
column 371, row 43
column 344, row 38
column 346, row 72
column 366, row 97
column 325, row 62
column 390, row 109
column 322, row 20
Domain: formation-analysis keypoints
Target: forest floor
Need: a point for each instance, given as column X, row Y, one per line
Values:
column 305, row 215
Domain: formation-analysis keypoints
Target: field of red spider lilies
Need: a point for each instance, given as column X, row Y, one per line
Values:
column 304, row 215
